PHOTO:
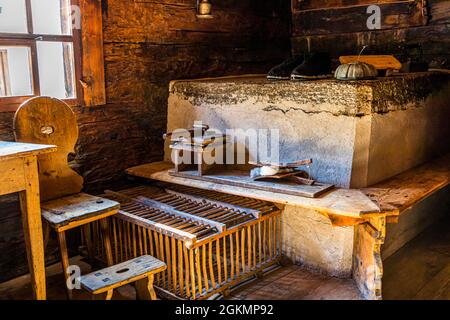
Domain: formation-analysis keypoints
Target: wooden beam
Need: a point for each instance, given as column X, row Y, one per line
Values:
column 354, row 19
column 303, row 5
column 93, row 73
column 401, row 192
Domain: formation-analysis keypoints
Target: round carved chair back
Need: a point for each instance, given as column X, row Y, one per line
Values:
column 45, row 120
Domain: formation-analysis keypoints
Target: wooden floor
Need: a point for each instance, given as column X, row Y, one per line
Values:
column 421, row 269
column 286, row 283
column 296, row 283
column 19, row 288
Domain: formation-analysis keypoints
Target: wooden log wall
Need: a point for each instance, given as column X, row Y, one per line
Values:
column 340, row 27
column 147, row 43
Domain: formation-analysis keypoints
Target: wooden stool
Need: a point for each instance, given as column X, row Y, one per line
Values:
column 75, row 211
column 141, row 271
column 50, row 121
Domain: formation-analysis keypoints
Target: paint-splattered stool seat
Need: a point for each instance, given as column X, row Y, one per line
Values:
column 141, row 271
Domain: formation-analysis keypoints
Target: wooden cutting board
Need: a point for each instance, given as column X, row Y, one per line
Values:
column 380, row 62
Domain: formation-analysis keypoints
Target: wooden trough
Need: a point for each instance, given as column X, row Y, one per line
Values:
column 209, row 241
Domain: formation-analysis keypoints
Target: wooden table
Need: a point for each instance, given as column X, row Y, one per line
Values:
column 19, row 173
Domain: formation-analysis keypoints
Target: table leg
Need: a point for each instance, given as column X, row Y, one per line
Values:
column 32, row 227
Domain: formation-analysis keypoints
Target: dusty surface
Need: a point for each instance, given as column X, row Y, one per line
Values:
column 358, row 133
column 309, row 239
column 351, row 98
column 296, row 283
column 421, row 269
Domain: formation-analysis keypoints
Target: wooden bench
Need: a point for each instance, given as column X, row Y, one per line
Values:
column 397, row 194
column 141, row 271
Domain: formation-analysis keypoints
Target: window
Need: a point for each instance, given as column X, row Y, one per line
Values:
column 5, row 80
column 40, row 50
column 41, row 45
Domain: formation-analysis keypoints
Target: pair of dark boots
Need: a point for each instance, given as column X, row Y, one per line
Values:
column 303, row 67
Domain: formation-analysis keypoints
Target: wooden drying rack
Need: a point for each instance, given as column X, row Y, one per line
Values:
column 209, row 241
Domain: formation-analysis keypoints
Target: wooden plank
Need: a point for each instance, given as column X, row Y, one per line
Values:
column 242, row 179
column 380, row 62
column 121, row 274
column 82, row 206
column 297, row 283
column 93, row 74
column 301, row 5
column 12, row 150
column 439, row 11
column 354, row 19
column 237, row 208
column 403, row 191
column 348, row 203
column 420, row 270
column 381, row 41
column 171, row 210
column 188, row 238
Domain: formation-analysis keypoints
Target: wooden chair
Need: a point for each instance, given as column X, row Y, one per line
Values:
column 140, row 271
column 50, row 121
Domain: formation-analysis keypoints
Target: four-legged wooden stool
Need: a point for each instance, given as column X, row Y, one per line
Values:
column 141, row 271
column 78, row 211
column 50, row 121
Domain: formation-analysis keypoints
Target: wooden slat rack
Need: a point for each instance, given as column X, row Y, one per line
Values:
column 209, row 241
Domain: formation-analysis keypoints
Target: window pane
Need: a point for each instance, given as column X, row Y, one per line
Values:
column 51, row 17
column 15, row 71
column 56, row 69
column 13, row 16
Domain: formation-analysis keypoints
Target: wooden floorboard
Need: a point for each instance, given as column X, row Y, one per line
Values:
column 437, row 288
column 296, row 283
column 421, row 269
column 19, row 288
